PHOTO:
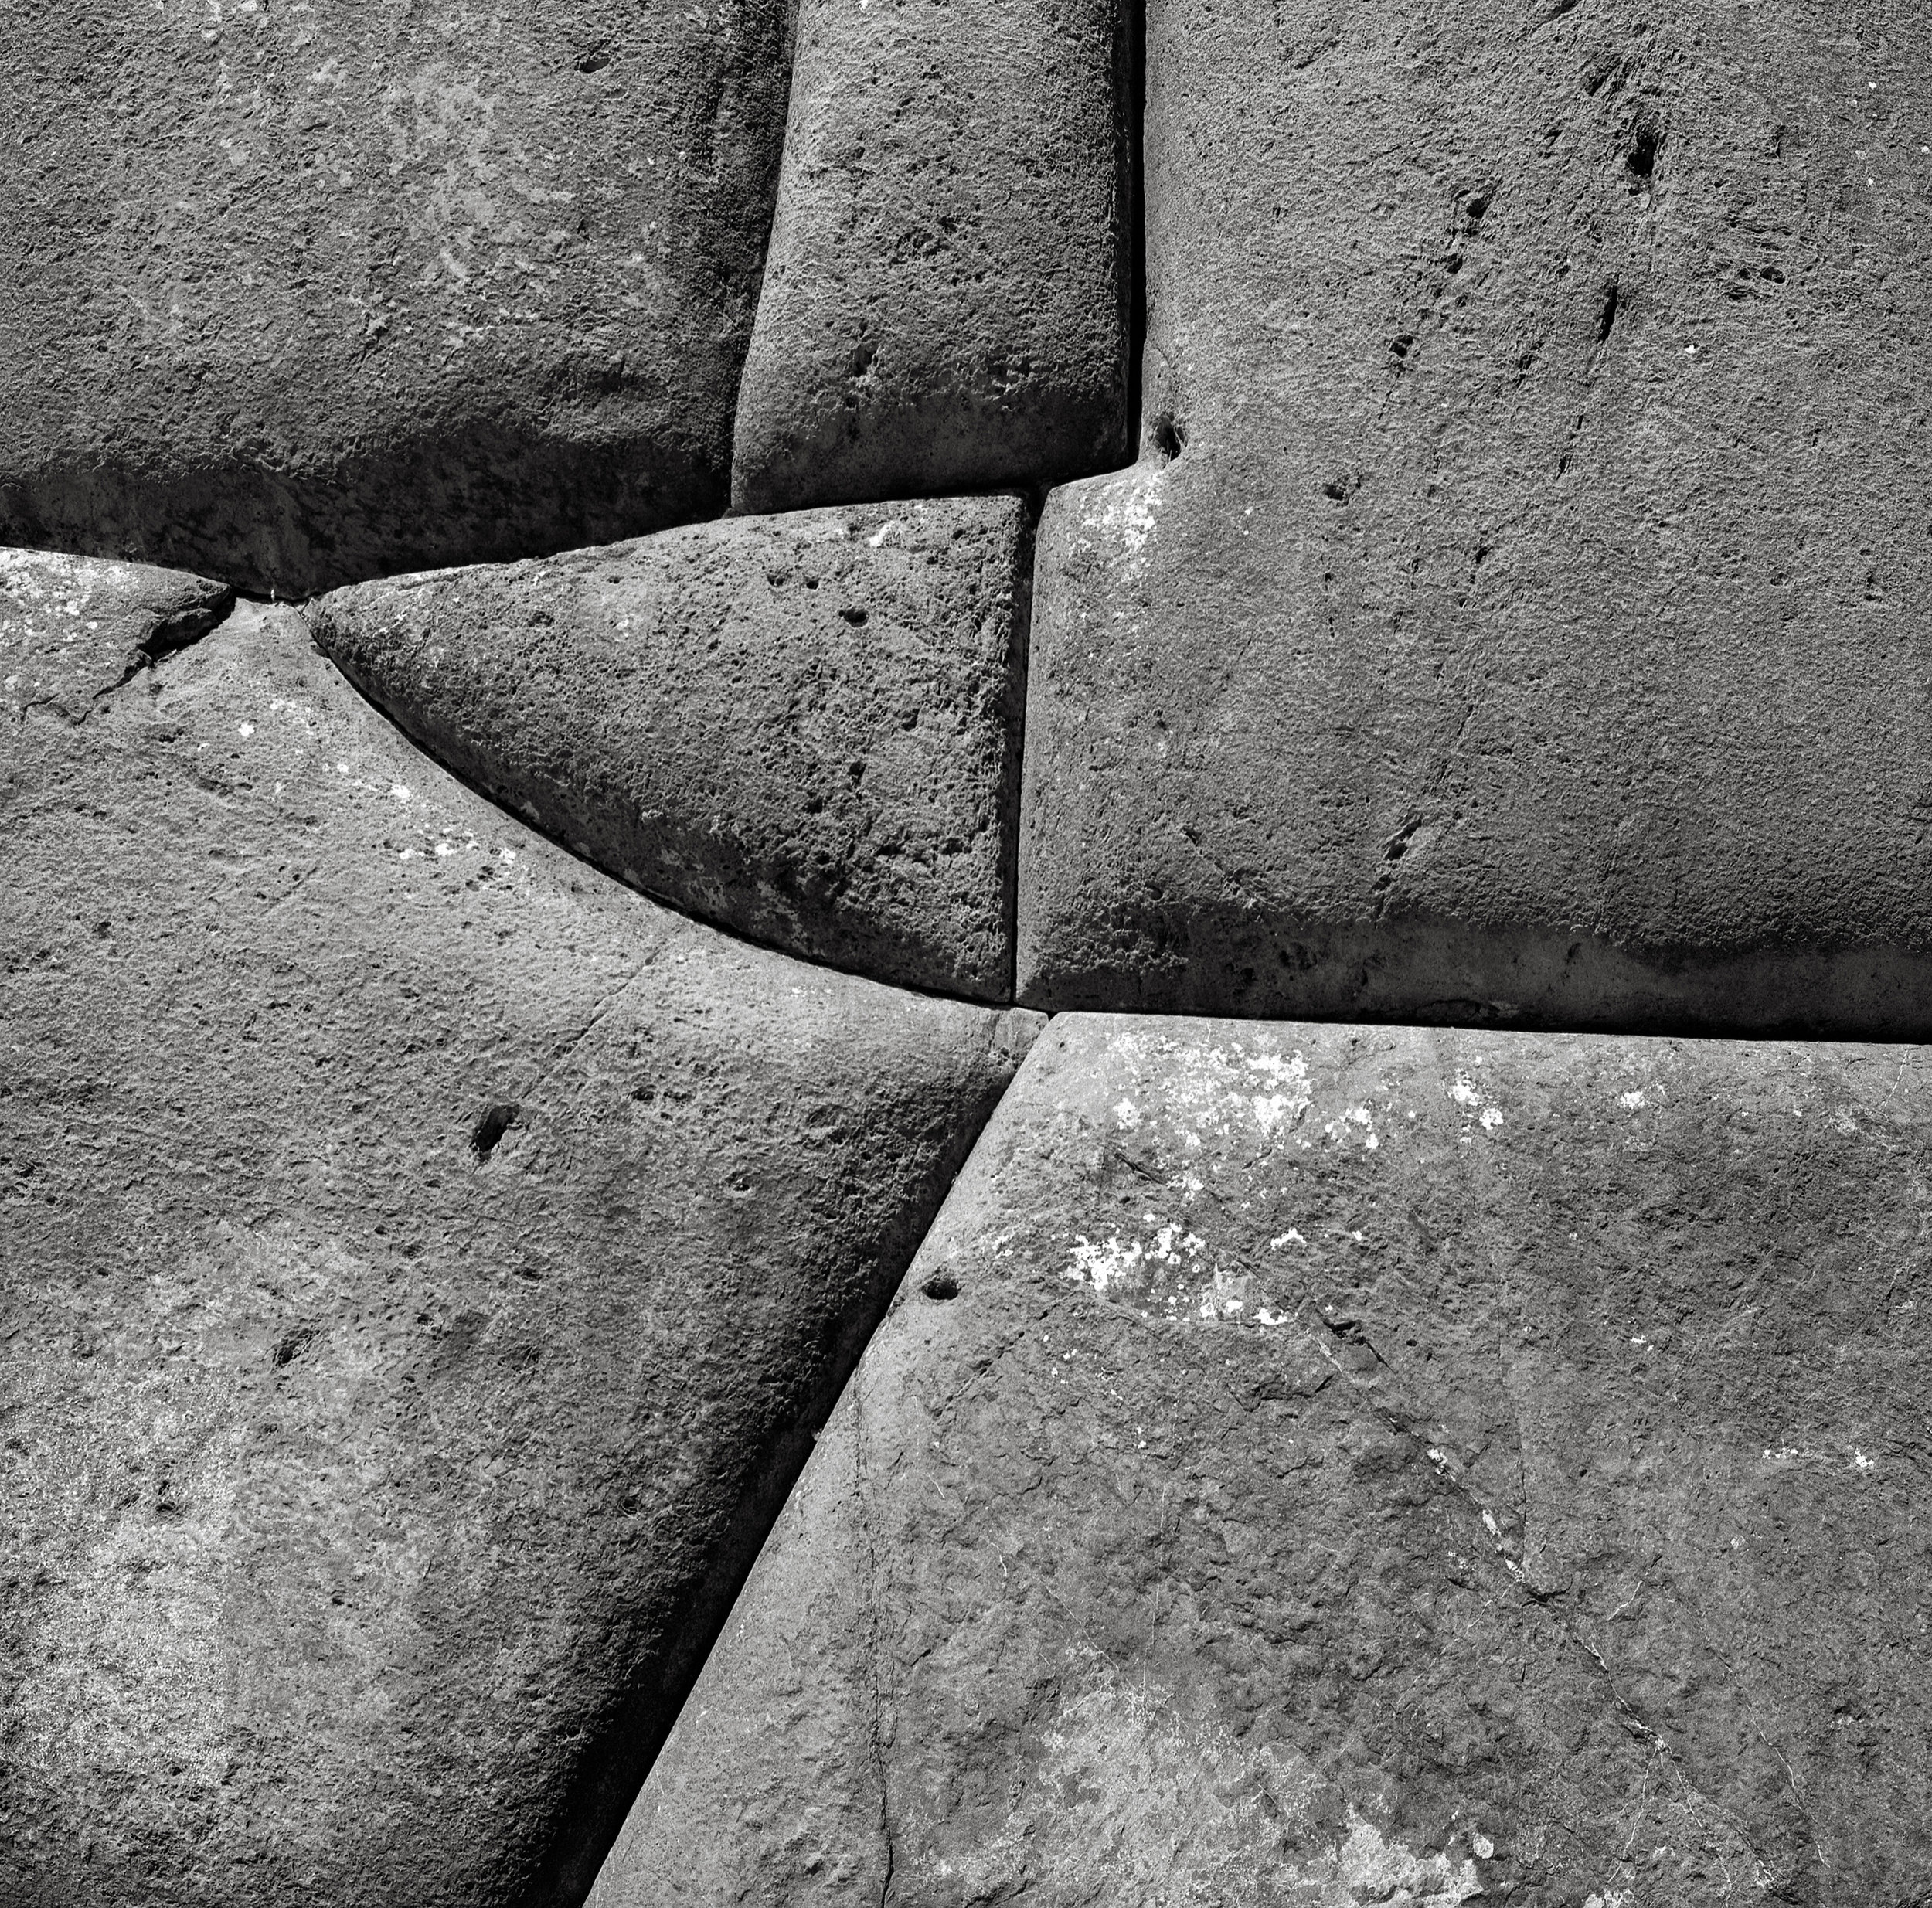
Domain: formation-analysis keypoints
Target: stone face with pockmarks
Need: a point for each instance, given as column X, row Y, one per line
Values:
column 1520, row 610
column 1329, row 1463
column 297, row 295
column 947, row 303
column 804, row 727
column 422, row 1264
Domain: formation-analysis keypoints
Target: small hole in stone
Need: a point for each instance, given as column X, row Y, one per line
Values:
column 291, row 1344
column 495, row 1122
column 1168, row 438
column 1607, row 313
column 855, row 617
column 1643, row 151
column 941, row 1285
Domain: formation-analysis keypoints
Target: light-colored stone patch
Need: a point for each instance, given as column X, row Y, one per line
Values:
column 1179, row 1811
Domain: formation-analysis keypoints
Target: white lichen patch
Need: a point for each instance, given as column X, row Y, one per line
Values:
column 1119, row 515
column 1186, row 1811
column 1375, row 1867
column 1478, row 1110
column 1357, row 1123
column 1212, row 1095
column 1106, row 1265
column 1215, row 1128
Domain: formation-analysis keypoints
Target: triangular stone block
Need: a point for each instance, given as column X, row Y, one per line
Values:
column 803, row 727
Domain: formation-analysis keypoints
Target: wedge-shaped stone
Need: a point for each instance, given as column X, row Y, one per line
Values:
column 1321, row 1464
column 804, row 727
column 945, row 304
column 1534, row 620
column 297, row 294
column 422, row 1263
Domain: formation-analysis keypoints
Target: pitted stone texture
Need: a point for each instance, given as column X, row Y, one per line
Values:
column 947, row 302
column 299, row 295
column 1532, row 624
column 803, row 727
column 1358, row 1464
column 423, row 1262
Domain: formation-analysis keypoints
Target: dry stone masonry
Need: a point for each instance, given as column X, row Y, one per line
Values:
column 304, row 294
column 1517, row 610
column 961, row 952
column 1329, row 1464
column 427, row 1261
column 804, row 727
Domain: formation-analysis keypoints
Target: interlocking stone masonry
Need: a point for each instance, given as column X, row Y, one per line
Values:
column 424, row 1264
column 1331, row 1464
column 1519, row 613
column 948, row 304
column 301, row 294
column 805, row 727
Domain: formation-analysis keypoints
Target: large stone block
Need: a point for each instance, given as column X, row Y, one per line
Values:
column 948, row 302
column 302, row 294
column 805, row 727
column 1327, row 1464
column 423, row 1263
column 1530, row 621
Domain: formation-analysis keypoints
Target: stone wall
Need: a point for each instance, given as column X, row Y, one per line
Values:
column 965, row 951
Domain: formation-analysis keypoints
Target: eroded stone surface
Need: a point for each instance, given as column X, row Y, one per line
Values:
column 947, row 302
column 1531, row 623
column 298, row 295
column 421, row 1263
column 804, row 727
column 1358, row 1464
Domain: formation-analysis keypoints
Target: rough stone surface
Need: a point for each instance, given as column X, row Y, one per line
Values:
column 421, row 1263
column 301, row 294
column 803, row 727
column 1359, row 1465
column 947, row 302
column 1531, row 623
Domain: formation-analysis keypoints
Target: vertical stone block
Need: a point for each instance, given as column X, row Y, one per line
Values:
column 947, row 303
